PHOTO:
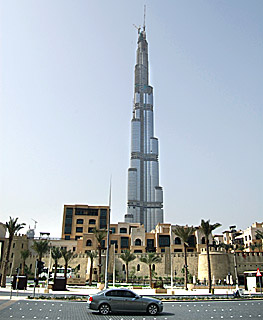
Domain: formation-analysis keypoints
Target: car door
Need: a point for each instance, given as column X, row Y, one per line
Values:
column 115, row 300
column 131, row 301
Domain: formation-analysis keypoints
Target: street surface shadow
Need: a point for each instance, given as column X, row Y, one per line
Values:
column 168, row 314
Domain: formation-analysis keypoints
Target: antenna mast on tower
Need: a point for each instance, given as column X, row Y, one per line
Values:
column 144, row 17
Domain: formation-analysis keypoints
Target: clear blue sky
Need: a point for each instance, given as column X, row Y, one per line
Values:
column 67, row 72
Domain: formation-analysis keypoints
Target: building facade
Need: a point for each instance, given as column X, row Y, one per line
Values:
column 80, row 219
column 145, row 196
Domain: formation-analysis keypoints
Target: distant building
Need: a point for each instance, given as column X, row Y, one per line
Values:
column 80, row 219
column 145, row 196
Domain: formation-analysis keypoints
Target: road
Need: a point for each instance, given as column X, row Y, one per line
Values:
column 65, row 310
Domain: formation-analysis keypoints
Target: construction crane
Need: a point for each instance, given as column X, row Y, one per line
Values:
column 35, row 223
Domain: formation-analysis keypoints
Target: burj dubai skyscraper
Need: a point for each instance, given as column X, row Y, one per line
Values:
column 145, row 196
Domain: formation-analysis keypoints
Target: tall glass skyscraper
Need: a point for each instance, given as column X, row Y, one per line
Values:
column 145, row 196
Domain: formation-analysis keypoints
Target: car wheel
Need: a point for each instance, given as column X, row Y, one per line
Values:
column 104, row 308
column 152, row 309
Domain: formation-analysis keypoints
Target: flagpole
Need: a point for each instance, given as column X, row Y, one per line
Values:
column 108, row 244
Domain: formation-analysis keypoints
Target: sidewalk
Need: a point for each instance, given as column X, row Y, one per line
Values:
column 80, row 291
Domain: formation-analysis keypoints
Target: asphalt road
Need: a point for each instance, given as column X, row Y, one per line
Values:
column 57, row 310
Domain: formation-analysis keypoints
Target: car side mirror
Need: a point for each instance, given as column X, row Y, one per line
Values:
column 137, row 297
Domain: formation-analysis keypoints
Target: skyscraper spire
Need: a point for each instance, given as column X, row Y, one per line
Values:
column 145, row 196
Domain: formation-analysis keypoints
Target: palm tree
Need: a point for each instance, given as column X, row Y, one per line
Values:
column 149, row 259
column 259, row 234
column 99, row 235
column 184, row 234
column 24, row 255
column 67, row 256
column 41, row 247
column 127, row 257
column 56, row 255
column 13, row 227
column 92, row 255
column 206, row 229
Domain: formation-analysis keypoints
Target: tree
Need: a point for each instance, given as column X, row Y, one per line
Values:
column 56, row 255
column 259, row 234
column 149, row 259
column 184, row 234
column 24, row 255
column 13, row 227
column 127, row 257
column 207, row 228
column 92, row 255
column 67, row 256
column 99, row 235
column 41, row 247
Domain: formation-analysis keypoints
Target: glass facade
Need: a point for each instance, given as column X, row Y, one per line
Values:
column 68, row 221
column 124, row 242
column 103, row 218
column 164, row 241
column 86, row 212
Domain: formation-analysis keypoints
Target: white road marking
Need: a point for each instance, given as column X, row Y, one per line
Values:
column 40, row 309
column 23, row 316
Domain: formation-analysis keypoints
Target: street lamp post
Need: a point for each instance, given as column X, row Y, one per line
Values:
column 233, row 231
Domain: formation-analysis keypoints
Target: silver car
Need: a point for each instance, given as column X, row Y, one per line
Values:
column 119, row 300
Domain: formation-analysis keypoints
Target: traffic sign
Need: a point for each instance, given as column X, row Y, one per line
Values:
column 258, row 273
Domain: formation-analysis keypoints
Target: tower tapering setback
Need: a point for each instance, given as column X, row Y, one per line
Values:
column 145, row 196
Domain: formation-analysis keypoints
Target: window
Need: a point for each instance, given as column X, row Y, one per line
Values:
column 112, row 242
column 153, row 267
column 74, row 249
column 162, row 250
column 68, row 220
column 89, row 243
column 177, row 240
column 138, row 242
column 123, row 230
column 138, row 267
column 77, row 237
column 127, row 294
column 178, row 250
column 67, row 237
column 30, row 267
column 12, row 255
column 86, row 212
column 79, row 221
column 90, row 230
column 69, row 212
column 123, row 267
column 164, row 241
column 79, row 229
column 203, row 240
column 113, row 230
column 192, row 241
column 14, row 245
column 124, row 242
column 92, row 221
column 22, row 245
column 103, row 218
column 137, row 251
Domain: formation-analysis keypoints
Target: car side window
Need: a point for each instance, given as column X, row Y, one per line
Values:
column 112, row 293
column 128, row 294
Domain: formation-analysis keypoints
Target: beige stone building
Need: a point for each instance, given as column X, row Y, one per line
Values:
column 132, row 236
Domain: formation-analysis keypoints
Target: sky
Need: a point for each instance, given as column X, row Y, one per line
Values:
column 67, row 77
